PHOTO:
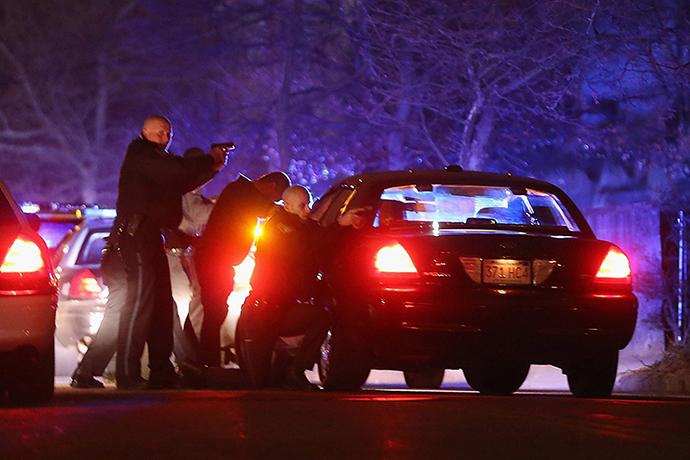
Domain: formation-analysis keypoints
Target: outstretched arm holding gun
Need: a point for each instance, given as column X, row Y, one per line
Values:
column 220, row 153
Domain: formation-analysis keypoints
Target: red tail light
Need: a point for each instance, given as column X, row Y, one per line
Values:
column 394, row 259
column 24, row 256
column 85, row 286
column 615, row 268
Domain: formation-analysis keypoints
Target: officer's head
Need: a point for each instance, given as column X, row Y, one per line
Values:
column 273, row 185
column 297, row 200
column 158, row 129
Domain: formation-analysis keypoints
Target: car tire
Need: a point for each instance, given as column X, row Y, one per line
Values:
column 497, row 376
column 593, row 375
column 34, row 382
column 344, row 362
column 427, row 378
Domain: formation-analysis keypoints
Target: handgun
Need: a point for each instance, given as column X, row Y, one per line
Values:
column 224, row 145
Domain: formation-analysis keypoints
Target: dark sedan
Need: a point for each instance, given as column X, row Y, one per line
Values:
column 488, row 273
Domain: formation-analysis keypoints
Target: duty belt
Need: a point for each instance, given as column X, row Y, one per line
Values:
column 132, row 224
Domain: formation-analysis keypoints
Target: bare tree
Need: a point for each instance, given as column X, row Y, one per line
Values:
column 54, row 106
column 444, row 73
column 292, row 69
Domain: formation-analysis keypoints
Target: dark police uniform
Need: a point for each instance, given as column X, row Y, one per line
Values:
column 150, row 190
column 104, row 344
column 224, row 244
column 284, row 283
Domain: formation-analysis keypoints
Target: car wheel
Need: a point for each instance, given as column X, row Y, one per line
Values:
column 253, row 355
column 35, row 382
column 497, row 377
column 430, row 378
column 593, row 376
column 344, row 362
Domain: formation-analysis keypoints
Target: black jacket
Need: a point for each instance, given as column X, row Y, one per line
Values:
column 286, row 258
column 152, row 183
column 229, row 232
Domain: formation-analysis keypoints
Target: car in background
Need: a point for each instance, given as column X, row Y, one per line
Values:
column 28, row 300
column 82, row 295
column 59, row 218
column 489, row 273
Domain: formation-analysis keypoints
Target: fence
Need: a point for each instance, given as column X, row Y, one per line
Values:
column 638, row 230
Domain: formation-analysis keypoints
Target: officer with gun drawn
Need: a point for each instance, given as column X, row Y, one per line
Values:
column 152, row 182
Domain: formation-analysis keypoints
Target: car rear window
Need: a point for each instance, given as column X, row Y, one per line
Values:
column 92, row 250
column 472, row 206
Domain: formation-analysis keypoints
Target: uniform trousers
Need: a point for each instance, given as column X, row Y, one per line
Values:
column 262, row 323
column 216, row 286
column 147, row 316
column 104, row 343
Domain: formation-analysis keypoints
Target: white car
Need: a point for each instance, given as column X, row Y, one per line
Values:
column 28, row 300
column 82, row 293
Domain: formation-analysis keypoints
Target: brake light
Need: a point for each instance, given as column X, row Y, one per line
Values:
column 85, row 286
column 615, row 268
column 394, row 259
column 24, row 256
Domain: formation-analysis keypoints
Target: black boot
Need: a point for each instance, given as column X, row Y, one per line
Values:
column 295, row 380
column 84, row 380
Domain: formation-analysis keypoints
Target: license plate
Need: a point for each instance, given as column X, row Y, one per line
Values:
column 506, row 271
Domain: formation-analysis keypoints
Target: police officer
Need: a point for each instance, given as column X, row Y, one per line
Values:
column 224, row 244
column 104, row 343
column 152, row 182
column 283, row 286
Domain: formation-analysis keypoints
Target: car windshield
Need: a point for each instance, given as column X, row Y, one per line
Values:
column 472, row 206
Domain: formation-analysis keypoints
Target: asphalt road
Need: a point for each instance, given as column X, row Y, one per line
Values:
column 370, row 424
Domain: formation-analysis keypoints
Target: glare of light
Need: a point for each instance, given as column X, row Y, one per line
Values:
column 243, row 272
column 394, row 259
column 24, row 256
column 95, row 320
column 235, row 301
column 435, row 227
column 30, row 208
column 98, row 212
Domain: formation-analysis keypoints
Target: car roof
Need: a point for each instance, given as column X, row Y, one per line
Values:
column 385, row 179
column 99, row 222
